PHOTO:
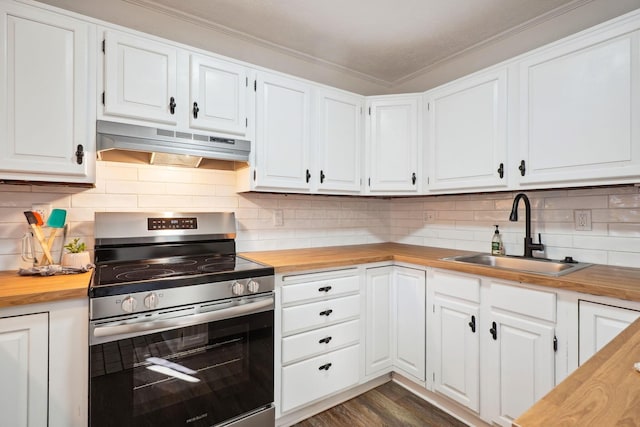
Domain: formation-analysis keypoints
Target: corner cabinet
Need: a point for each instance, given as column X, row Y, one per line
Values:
column 580, row 110
column 47, row 96
column 395, row 325
column 467, row 133
column 393, row 143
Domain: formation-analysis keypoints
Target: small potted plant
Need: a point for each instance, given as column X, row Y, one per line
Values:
column 77, row 255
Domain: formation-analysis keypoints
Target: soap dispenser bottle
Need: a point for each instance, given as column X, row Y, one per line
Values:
column 496, row 243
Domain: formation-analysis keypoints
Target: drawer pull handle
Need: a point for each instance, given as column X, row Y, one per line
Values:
column 324, row 289
column 325, row 367
column 324, row 340
column 326, row 313
column 494, row 330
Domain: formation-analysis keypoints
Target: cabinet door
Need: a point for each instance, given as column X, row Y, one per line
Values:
column 393, row 145
column 520, row 365
column 282, row 133
column 24, row 370
column 339, row 141
column 46, row 96
column 218, row 96
column 140, row 79
column 468, row 133
column 579, row 111
column 599, row 324
column 456, row 351
column 378, row 355
column 409, row 321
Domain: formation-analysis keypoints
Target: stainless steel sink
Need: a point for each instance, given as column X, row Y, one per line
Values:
column 547, row 267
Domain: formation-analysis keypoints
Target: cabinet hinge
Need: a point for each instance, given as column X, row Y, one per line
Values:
column 103, row 46
column 428, row 180
column 555, row 343
column 433, row 308
column 246, row 122
column 433, row 376
column 255, row 85
column 254, row 174
column 369, row 110
column 369, row 182
column 428, row 106
column 246, row 81
column 103, row 98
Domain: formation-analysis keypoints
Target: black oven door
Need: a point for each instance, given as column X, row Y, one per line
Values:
column 196, row 374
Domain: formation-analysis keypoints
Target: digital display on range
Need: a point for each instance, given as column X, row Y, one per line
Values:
column 172, row 223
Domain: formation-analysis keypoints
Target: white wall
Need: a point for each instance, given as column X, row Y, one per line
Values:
column 466, row 222
column 461, row 221
column 309, row 221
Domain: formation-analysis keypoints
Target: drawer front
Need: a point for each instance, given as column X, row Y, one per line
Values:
column 320, row 376
column 456, row 285
column 320, row 289
column 317, row 314
column 319, row 341
column 529, row 302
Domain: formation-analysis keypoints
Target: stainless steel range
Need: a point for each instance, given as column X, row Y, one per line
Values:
column 181, row 328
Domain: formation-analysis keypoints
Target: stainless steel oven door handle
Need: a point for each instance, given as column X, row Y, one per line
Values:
column 258, row 305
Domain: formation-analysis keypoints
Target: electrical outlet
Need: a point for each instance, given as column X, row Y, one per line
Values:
column 278, row 218
column 44, row 209
column 429, row 216
column 583, row 219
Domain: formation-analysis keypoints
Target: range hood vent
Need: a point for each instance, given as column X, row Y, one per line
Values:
column 167, row 147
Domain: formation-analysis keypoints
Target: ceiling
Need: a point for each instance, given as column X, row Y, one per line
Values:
column 384, row 41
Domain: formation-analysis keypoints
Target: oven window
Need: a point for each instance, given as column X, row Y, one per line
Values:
column 195, row 376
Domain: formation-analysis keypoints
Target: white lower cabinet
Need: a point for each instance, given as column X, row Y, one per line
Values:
column 395, row 325
column 454, row 338
column 24, row 369
column 599, row 324
column 318, row 338
column 44, row 365
column 491, row 344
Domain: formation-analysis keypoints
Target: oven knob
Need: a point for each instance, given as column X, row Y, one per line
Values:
column 129, row 304
column 253, row 286
column 151, row 301
column 237, row 288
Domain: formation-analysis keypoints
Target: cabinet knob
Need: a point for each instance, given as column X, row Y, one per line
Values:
column 522, row 168
column 324, row 289
column 413, row 178
column 494, row 330
column 308, row 175
column 324, row 367
column 472, row 324
column 196, row 109
column 326, row 313
column 322, row 177
column 79, row 154
column 501, row 170
column 325, row 340
column 172, row 105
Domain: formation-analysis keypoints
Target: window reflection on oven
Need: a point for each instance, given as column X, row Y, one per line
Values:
column 199, row 374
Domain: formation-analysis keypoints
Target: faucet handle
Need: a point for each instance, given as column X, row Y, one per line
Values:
column 539, row 238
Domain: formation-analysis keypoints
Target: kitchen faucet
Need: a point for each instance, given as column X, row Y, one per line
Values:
column 529, row 246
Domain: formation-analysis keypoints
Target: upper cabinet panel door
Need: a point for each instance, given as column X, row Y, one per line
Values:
column 47, row 111
column 218, row 96
column 579, row 111
column 468, row 133
column 282, row 133
column 339, row 141
column 140, row 79
column 393, row 145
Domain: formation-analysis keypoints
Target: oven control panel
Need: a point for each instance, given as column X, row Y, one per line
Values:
column 172, row 223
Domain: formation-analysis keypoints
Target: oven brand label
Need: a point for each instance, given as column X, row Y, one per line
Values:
column 197, row 418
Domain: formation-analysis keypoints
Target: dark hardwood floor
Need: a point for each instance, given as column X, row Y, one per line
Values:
column 387, row 405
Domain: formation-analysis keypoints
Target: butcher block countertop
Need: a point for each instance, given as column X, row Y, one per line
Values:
column 604, row 391
column 603, row 280
column 22, row 290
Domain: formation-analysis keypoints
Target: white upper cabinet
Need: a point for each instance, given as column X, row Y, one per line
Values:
column 282, row 146
column 393, row 144
column 218, row 100
column 467, row 133
column 140, row 79
column 579, row 110
column 339, row 141
column 47, row 96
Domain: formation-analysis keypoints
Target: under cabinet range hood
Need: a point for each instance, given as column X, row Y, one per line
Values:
column 165, row 147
